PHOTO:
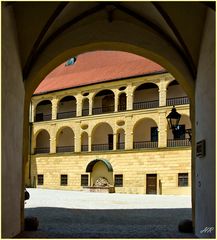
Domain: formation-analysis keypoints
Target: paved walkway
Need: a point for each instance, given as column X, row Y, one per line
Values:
column 73, row 214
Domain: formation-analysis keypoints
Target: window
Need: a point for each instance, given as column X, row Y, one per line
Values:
column 183, row 179
column 179, row 134
column 84, row 180
column 119, row 180
column 154, row 134
column 63, row 180
column 40, row 179
column 70, row 61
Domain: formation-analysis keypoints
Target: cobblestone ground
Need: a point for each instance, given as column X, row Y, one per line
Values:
column 73, row 214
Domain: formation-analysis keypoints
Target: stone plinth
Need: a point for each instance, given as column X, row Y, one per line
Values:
column 99, row 189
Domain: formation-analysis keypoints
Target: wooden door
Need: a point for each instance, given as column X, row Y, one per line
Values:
column 151, row 184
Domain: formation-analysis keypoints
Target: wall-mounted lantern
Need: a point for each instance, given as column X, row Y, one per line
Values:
column 173, row 121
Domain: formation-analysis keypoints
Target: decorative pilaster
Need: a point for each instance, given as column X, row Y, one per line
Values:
column 54, row 102
column 162, row 129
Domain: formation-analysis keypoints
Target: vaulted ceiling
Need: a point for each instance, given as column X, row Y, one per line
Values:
column 179, row 23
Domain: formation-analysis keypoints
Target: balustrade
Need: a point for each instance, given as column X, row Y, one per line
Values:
column 177, row 101
column 146, row 105
column 178, row 143
column 145, row 144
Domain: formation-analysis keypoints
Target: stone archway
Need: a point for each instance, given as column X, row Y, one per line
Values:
column 101, row 175
column 146, row 42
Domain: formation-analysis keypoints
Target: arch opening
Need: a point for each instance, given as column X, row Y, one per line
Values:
column 66, row 107
column 103, row 102
column 84, row 142
column 180, row 137
column 102, row 137
column 145, row 134
column 65, row 140
column 146, row 96
column 85, row 107
column 43, row 111
column 176, row 95
column 42, row 142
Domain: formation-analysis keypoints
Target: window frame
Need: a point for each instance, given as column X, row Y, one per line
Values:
column 40, row 181
column 63, row 179
column 183, row 179
column 87, row 179
column 117, row 180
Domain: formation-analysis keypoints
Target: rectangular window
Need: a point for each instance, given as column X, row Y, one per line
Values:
column 179, row 133
column 63, row 180
column 183, row 179
column 154, row 134
column 119, row 180
column 40, row 179
column 84, row 180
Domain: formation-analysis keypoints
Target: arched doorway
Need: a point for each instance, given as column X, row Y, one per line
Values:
column 100, row 168
column 162, row 49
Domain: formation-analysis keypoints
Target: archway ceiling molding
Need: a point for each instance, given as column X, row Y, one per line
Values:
column 90, row 165
column 167, row 19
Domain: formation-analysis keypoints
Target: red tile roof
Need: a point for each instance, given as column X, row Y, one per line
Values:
column 96, row 67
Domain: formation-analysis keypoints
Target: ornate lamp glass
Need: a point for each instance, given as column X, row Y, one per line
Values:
column 173, row 118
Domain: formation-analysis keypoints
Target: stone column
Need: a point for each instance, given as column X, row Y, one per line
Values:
column 162, row 93
column 162, row 129
column 128, row 133
column 116, row 101
column 33, row 145
column 89, row 143
column 33, row 112
column 114, row 141
column 54, row 102
column 53, row 138
column 79, row 105
column 129, row 94
column 91, row 104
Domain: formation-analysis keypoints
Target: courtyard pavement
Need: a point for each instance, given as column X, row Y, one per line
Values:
column 74, row 214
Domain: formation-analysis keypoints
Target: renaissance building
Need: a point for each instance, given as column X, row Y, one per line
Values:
column 103, row 115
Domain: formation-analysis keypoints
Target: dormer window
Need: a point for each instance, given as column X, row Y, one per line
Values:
column 70, row 61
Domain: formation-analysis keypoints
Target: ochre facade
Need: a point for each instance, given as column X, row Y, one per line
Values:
column 126, row 136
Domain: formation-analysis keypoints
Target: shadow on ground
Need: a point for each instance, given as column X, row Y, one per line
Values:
column 121, row 223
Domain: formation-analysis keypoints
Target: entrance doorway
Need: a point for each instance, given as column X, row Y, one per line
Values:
column 151, row 184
